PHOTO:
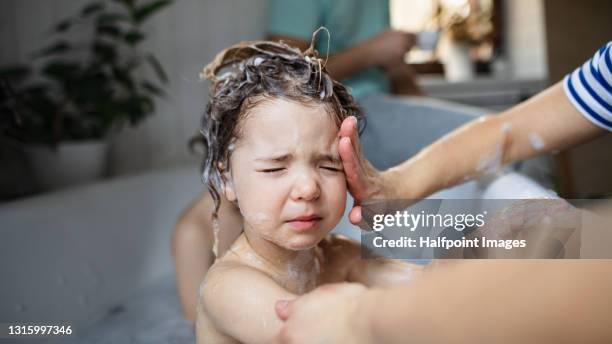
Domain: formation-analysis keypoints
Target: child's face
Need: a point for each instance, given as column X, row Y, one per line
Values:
column 286, row 173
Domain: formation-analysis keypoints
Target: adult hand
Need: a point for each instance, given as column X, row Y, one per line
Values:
column 545, row 224
column 364, row 181
column 323, row 316
column 388, row 48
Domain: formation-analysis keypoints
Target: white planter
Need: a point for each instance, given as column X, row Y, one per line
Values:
column 458, row 65
column 71, row 163
column 427, row 40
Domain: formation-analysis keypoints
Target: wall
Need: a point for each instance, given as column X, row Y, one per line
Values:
column 525, row 37
column 184, row 37
column 575, row 29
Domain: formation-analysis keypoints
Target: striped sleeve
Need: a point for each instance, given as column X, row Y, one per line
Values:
column 589, row 88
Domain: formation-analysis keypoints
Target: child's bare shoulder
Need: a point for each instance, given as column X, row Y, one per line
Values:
column 227, row 280
column 234, row 296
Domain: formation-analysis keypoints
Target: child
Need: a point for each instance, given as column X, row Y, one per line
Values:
column 271, row 136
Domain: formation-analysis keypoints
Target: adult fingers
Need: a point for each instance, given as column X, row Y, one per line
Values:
column 352, row 169
column 349, row 128
column 283, row 309
column 411, row 38
column 355, row 215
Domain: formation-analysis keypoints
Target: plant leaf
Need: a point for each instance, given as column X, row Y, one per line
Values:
column 157, row 67
column 133, row 37
column 109, row 30
column 63, row 26
column 110, row 18
column 92, row 8
column 91, row 88
column 56, row 48
column 105, row 52
column 14, row 73
column 141, row 13
column 152, row 88
column 123, row 77
column 61, row 70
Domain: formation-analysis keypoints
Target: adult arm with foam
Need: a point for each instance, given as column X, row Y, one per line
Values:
column 545, row 123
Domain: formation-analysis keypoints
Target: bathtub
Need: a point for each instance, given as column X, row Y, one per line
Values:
column 97, row 257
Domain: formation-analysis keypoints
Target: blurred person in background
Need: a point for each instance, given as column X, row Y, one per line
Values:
column 364, row 52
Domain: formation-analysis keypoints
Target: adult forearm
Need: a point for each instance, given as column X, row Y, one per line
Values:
column 495, row 301
column 386, row 50
column 404, row 80
column 545, row 123
column 350, row 61
column 342, row 64
column 477, row 147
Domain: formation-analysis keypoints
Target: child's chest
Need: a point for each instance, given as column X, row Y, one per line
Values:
column 334, row 269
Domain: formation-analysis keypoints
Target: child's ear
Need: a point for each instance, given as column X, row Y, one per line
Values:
column 228, row 185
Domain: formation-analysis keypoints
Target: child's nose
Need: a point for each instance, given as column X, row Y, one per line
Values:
column 306, row 188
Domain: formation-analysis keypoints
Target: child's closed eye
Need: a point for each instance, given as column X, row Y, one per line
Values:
column 332, row 168
column 271, row 170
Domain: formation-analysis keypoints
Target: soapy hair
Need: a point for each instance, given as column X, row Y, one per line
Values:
column 247, row 73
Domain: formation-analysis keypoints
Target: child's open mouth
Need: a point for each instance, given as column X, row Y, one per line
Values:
column 304, row 223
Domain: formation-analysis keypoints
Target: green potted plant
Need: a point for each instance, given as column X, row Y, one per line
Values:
column 74, row 93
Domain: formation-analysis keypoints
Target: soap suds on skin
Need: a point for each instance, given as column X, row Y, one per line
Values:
column 256, row 219
column 216, row 229
column 490, row 163
column 305, row 279
column 295, row 275
column 536, row 141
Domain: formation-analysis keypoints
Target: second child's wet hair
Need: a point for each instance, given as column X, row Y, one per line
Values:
column 247, row 73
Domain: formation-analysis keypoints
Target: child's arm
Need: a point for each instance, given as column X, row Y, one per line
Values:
column 192, row 243
column 240, row 302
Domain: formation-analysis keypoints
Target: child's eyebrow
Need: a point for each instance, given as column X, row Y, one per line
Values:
column 279, row 158
column 335, row 159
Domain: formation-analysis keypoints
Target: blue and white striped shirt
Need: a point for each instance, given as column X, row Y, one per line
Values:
column 589, row 87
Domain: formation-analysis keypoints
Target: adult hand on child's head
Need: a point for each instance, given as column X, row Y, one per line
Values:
column 364, row 181
column 323, row 316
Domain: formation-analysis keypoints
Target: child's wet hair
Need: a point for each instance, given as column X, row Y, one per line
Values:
column 250, row 72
